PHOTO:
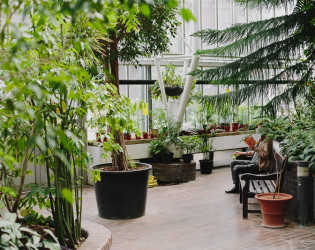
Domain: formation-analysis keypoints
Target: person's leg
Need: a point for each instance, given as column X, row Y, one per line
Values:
column 251, row 168
column 234, row 176
column 237, row 163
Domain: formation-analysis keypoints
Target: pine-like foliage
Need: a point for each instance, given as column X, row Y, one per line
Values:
column 273, row 52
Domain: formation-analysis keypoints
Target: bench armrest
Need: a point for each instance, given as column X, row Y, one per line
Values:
column 243, row 157
column 272, row 176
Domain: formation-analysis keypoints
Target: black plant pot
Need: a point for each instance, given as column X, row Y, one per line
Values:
column 174, row 91
column 206, row 166
column 187, row 158
column 122, row 194
column 157, row 158
column 211, row 153
column 167, row 158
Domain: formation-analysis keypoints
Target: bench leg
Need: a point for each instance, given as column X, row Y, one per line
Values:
column 245, row 200
column 241, row 193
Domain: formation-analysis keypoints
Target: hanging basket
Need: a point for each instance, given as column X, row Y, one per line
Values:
column 173, row 91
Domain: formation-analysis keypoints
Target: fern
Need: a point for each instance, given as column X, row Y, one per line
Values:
column 273, row 51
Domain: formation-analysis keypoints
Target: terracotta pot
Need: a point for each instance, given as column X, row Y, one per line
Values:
column 153, row 133
column 145, row 135
column 234, row 126
column 227, row 128
column 98, row 137
column 137, row 137
column 273, row 209
column 211, row 127
column 128, row 137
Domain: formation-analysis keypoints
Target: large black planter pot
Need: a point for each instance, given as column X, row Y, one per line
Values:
column 206, row 166
column 187, row 158
column 122, row 194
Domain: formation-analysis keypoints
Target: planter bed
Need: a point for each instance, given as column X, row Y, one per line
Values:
column 174, row 172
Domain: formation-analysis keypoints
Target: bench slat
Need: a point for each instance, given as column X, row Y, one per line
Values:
column 252, row 188
column 257, row 187
column 270, row 186
column 265, row 186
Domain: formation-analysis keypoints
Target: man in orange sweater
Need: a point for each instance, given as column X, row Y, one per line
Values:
column 259, row 163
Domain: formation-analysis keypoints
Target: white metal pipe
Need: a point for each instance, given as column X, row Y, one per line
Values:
column 186, row 43
column 179, row 57
column 187, row 89
column 160, row 79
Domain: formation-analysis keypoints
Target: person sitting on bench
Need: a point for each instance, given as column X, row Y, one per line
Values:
column 259, row 163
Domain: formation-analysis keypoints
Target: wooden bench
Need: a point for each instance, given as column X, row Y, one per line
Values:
column 252, row 184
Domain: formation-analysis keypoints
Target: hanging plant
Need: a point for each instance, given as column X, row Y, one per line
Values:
column 174, row 84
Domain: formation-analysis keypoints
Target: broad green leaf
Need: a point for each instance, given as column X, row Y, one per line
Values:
column 67, row 194
column 187, row 15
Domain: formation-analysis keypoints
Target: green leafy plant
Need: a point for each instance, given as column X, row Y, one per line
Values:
column 158, row 147
column 298, row 143
column 206, row 145
column 134, row 35
column 189, row 143
column 16, row 236
column 170, row 79
column 273, row 44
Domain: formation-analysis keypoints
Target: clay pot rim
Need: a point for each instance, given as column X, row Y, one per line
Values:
column 266, row 196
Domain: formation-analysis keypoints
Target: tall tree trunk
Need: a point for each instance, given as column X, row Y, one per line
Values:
column 119, row 159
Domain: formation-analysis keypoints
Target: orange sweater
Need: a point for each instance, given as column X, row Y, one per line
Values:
column 264, row 154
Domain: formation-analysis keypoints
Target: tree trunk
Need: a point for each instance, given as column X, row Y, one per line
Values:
column 119, row 160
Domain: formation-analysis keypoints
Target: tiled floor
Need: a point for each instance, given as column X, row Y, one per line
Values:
column 197, row 215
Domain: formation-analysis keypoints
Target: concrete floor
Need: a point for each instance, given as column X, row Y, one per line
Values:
column 197, row 215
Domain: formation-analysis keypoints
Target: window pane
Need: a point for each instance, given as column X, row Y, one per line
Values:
column 224, row 14
column 208, row 19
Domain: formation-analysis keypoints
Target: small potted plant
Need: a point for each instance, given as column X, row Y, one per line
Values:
column 225, row 112
column 206, row 147
column 127, row 135
column 145, row 135
column 159, row 152
column 188, row 144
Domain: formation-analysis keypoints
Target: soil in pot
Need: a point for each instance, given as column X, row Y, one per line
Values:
column 122, row 194
column 206, row 166
column 187, row 158
column 273, row 209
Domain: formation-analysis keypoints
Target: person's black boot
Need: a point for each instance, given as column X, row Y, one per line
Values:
column 234, row 190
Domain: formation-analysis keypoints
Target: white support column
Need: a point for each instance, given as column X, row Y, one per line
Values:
column 187, row 89
column 195, row 26
column 160, row 78
column 185, row 69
